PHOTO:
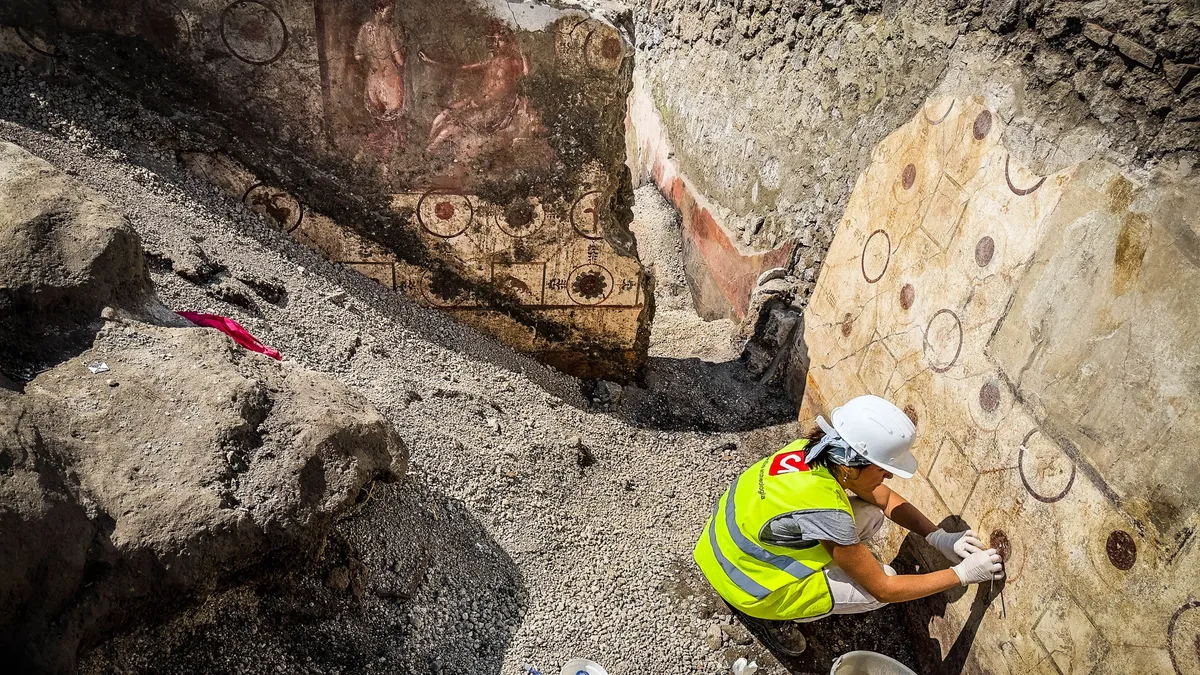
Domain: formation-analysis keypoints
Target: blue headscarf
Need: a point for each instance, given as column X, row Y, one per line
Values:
column 835, row 448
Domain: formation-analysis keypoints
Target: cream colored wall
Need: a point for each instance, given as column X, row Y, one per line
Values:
column 1040, row 331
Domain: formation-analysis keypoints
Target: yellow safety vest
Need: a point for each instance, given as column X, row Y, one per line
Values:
column 762, row 580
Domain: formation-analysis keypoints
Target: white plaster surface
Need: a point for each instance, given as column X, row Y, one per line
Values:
column 1039, row 330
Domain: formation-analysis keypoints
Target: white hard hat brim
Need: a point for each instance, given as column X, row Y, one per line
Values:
column 903, row 466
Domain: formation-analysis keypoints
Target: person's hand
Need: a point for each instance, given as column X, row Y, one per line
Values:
column 979, row 567
column 954, row 545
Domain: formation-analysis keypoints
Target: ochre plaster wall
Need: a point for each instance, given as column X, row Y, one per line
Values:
column 1039, row 330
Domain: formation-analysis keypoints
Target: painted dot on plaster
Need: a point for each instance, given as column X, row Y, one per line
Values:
column 444, row 210
column 999, row 540
column 847, row 325
column 989, row 397
column 1121, row 549
column 908, row 295
column 984, row 250
column 909, row 176
column 610, row 48
column 911, row 412
column 982, row 126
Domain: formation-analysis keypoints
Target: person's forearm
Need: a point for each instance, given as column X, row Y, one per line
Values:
column 915, row 586
column 899, row 511
column 910, row 518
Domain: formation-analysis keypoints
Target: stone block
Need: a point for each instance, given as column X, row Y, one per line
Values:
column 1135, row 51
column 1098, row 34
column 1179, row 74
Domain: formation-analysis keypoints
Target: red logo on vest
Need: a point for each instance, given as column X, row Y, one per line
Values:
column 788, row 462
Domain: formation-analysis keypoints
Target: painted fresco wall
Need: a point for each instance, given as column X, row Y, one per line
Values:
column 721, row 268
column 1039, row 330
column 468, row 154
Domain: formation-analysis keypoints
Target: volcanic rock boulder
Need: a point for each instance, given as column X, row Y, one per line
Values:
column 188, row 463
column 47, row 540
column 64, row 255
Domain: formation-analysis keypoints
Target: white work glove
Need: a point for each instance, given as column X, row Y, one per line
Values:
column 954, row 545
column 979, row 567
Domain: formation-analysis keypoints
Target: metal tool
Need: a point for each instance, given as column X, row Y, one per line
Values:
column 992, row 589
column 1003, row 609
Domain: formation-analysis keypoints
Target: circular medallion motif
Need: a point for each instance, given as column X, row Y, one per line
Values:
column 253, row 32
column 995, row 529
column 37, row 42
column 445, row 215
column 985, row 248
column 1045, row 471
column 590, row 285
column 943, row 340
column 989, row 397
column 1019, row 191
column 602, row 49
column 1121, row 550
column 521, row 218
column 999, row 540
column 276, row 204
column 982, row 126
column 585, row 216
column 940, row 118
column 1183, row 639
column 876, row 255
column 908, row 295
column 445, row 288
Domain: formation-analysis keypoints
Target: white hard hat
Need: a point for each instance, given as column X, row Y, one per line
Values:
column 879, row 431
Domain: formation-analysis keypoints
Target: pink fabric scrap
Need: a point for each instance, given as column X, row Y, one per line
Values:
column 233, row 329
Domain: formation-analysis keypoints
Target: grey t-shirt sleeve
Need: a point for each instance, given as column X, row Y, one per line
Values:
column 805, row 529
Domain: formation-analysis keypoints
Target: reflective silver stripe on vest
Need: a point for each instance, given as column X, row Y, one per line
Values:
column 781, row 562
column 739, row 578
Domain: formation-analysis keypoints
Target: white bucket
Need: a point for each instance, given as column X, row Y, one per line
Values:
column 868, row 663
column 583, row 667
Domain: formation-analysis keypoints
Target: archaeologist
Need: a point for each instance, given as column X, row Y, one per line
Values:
column 784, row 542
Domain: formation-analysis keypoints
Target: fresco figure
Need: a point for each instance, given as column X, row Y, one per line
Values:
column 495, row 106
column 379, row 50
